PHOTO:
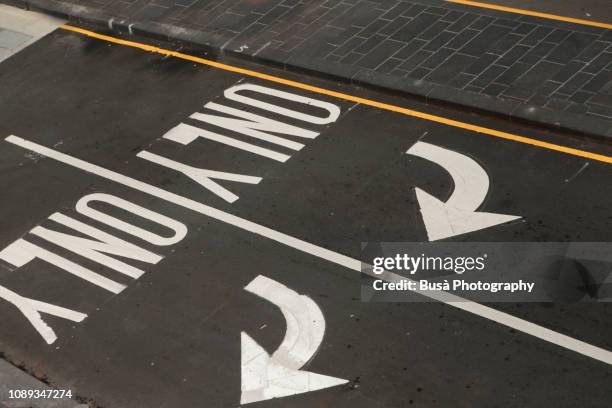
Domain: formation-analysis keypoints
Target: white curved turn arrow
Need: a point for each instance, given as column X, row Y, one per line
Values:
column 458, row 214
column 278, row 375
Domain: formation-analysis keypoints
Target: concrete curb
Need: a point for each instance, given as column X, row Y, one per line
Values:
column 509, row 109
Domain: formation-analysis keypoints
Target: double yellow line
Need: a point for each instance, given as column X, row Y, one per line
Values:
column 347, row 97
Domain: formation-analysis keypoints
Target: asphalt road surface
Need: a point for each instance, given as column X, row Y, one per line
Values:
column 191, row 259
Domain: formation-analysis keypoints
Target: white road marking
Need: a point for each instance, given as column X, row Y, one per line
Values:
column 32, row 309
column 332, row 110
column 185, row 134
column 22, row 252
column 505, row 319
column 178, row 228
column 458, row 214
column 202, row 176
column 96, row 250
column 265, row 377
column 256, row 126
column 305, row 321
column 253, row 125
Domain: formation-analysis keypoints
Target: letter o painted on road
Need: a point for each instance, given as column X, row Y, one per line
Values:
column 180, row 230
column 333, row 110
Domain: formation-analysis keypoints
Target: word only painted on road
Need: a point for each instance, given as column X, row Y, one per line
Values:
column 106, row 249
column 248, row 124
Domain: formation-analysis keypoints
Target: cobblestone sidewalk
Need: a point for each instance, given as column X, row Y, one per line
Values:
column 546, row 71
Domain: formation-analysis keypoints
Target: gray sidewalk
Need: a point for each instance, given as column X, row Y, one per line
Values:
column 13, row 379
column 550, row 72
column 18, row 29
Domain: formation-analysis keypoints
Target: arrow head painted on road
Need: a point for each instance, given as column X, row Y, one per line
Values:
column 444, row 221
column 265, row 378
column 458, row 214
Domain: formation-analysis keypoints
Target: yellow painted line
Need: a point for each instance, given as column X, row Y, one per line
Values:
column 532, row 13
column 347, row 97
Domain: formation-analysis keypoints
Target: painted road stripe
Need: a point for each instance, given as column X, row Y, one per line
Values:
column 531, row 13
column 347, row 97
column 505, row 319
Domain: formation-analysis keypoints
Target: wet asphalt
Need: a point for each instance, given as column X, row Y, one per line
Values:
column 172, row 337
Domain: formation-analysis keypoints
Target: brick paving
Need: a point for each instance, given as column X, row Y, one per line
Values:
column 544, row 70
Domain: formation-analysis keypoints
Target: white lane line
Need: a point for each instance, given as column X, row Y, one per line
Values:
column 505, row 319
